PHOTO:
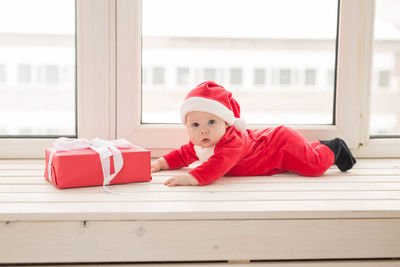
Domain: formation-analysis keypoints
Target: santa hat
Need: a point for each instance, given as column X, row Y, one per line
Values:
column 215, row 99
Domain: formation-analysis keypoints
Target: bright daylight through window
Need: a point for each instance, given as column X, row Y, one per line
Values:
column 279, row 62
column 385, row 84
column 37, row 68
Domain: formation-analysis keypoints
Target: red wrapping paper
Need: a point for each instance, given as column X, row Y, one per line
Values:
column 79, row 168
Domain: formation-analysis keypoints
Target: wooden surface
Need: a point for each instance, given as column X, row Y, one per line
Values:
column 339, row 263
column 353, row 215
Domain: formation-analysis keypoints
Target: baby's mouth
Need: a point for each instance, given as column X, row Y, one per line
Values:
column 205, row 140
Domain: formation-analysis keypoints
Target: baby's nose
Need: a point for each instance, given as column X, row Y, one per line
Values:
column 204, row 131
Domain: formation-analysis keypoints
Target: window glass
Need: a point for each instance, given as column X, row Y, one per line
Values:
column 37, row 40
column 233, row 43
column 385, row 84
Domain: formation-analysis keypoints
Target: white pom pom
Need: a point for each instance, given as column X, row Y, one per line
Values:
column 240, row 124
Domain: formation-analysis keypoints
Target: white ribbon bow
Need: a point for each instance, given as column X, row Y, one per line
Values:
column 104, row 148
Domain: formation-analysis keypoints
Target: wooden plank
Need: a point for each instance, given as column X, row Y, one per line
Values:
column 22, row 180
column 81, row 196
column 294, row 179
column 364, row 172
column 39, row 164
column 25, row 166
column 229, row 187
column 60, row 211
column 239, row 180
column 21, row 172
column 312, row 263
column 21, row 162
column 141, row 241
column 377, row 163
column 330, row 172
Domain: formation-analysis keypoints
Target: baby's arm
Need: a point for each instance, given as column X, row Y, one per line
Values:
column 181, row 179
column 177, row 159
column 159, row 164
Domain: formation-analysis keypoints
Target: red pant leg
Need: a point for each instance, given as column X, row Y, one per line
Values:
column 294, row 153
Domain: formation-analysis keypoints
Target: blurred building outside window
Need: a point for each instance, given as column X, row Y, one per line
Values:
column 37, row 68
column 37, row 62
column 385, row 84
column 269, row 56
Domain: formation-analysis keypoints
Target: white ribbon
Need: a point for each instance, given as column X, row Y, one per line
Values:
column 104, row 148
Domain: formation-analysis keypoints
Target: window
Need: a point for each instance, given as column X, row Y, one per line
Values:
column 158, row 75
column 210, row 74
column 3, row 78
column 384, row 78
column 24, row 73
column 182, row 76
column 285, row 77
column 235, row 76
column 385, row 89
column 42, row 33
column 310, row 77
column 259, row 77
column 105, row 113
column 52, row 74
column 346, row 117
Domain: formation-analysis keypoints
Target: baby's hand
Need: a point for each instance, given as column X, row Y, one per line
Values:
column 159, row 164
column 182, row 179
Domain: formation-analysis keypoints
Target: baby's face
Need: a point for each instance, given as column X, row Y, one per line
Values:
column 205, row 129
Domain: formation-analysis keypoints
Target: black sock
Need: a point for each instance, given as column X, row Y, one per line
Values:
column 343, row 157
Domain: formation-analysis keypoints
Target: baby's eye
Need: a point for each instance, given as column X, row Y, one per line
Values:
column 195, row 124
column 211, row 122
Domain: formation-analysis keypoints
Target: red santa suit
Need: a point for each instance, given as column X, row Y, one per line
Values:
column 243, row 152
column 254, row 152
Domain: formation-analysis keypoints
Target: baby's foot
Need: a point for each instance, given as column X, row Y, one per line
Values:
column 343, row 157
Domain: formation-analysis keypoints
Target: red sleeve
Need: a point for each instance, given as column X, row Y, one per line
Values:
column 181, row 157
column 227, row 153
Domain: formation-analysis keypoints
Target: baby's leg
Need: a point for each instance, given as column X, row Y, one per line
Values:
column 298, row 155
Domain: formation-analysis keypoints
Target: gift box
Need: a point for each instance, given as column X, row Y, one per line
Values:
column 83, row 167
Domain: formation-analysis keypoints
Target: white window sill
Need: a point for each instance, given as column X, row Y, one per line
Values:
column 339, row 215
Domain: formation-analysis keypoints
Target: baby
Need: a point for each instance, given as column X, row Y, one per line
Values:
column 220, row 141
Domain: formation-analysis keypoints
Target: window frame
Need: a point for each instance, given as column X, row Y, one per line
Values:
column 95, row 80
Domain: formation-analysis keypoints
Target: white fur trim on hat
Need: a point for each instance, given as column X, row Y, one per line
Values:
column 206, row 105
column 240, row 124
